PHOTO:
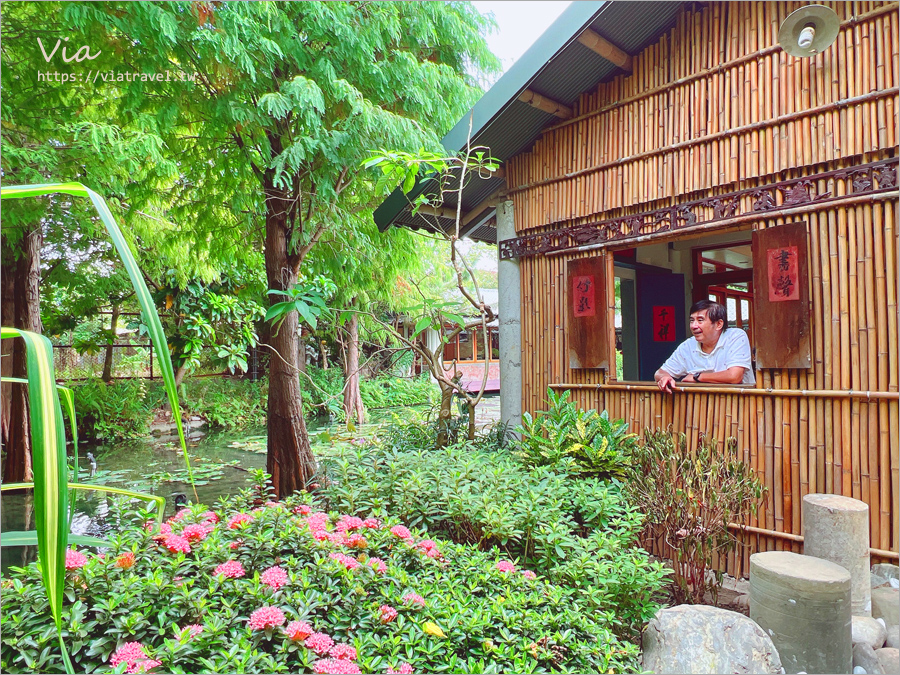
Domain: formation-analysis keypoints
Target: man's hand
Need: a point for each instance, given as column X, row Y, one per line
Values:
column 665, row 382
column 689, row 379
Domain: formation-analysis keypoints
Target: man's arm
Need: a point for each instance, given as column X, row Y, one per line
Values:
column 664, row 381
column 733, row 375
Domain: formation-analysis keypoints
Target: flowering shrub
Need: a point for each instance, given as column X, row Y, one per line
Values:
column 211, row 610
column 578, row 532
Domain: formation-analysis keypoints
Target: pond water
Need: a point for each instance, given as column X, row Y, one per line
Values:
column 220, row 461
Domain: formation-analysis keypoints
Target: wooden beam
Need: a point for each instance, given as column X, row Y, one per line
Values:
column 606, row 49
column 546, row 104
column 441, row 212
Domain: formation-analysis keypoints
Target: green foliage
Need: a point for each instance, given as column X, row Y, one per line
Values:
column 118, row 410
column 575, row 441
column 226, row 402
column 689, row 497
column 307, row 298
column 476, row 618
column 322, row 391
column 581, row 532
column 210, row 322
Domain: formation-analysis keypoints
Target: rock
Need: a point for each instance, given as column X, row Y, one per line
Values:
column 893, row 637
column 859, row 670
column 869, row 631
column 886, row 570
column 864, row 657
column 889, row 659
column 882, row 574
column 703, row 639
column 886, row 604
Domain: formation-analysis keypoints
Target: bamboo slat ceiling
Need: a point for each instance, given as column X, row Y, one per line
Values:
column 557, row 67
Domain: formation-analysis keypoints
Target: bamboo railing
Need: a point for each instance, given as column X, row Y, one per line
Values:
column 713, row 106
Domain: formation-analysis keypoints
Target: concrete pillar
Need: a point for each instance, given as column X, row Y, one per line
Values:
column 803, row 603
column 837, row 529
column 509, row 284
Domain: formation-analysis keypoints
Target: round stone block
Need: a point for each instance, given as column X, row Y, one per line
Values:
column 803, row 603
column 836, row 528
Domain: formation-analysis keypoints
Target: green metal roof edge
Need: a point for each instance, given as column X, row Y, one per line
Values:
column 567, row 27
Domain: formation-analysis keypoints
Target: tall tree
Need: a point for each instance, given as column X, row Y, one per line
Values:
column 270, row 108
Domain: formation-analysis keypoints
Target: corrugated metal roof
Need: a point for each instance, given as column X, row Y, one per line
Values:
column 556, row 66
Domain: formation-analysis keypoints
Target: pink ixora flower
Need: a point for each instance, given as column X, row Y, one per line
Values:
column 336, row 666
column 192, row 630
column 528, row 574
column 235, row 544
column 275, row 577
column 387, row 613
column 195, row 532
column 179, row 515
column 210, row 517
column 266, row 617
column 371, row 523
column 506, row 566
column 125, row 561
column 164, row 531
column 342, row 651
column 356, row 540
column 303, row 509
column 75, row 559
column 414, row 599
column 404, row 669
column 345, row 560
column 348, row 523
column 238, row 518
column 231, row 569
column 177, row 544
column 298, row 630
column 134, row 655
column 378, row 565
column 400, row 531
column 319, row 643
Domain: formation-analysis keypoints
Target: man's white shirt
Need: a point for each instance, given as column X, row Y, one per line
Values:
column 732, row 349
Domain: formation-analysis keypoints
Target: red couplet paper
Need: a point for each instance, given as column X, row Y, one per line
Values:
column 663, row 323
column 584, row 301
column 783, row 275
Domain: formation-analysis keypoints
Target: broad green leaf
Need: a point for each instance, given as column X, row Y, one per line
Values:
column 30, row 538
column 48, row 456
column 421, row 325
column 148, row 306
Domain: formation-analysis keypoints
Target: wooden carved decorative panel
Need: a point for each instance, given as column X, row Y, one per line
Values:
column 781, row 297
column 587, row 313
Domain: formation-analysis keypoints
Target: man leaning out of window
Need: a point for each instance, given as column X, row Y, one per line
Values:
column 715, row 355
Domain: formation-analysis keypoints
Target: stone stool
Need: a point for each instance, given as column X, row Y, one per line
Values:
column 837, row 529
column 803, row 603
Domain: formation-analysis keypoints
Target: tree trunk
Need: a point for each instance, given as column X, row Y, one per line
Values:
column 289, row 461
column 353, row 404
column 443, row 436
column 324, row 353
column 108, row 360
column 471, row 422
column 181, row 373
column 22, row 268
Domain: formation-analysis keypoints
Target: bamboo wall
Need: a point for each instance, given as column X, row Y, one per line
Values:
column 713, row 107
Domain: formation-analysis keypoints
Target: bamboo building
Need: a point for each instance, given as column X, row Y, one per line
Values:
column 671, row 152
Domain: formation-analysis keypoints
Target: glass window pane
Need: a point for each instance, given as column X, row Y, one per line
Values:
column 478, row 335
column 466, row 353
column 495, row 344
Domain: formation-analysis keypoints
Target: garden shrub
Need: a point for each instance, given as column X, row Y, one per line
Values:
column 689, row 497
column 581, row 532
column 122, row 409
column 573, row 440
column 226, row 402
column 322, row 391
column 283, row 588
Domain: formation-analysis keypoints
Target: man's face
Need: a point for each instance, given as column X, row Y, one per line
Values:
column 704, row 330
